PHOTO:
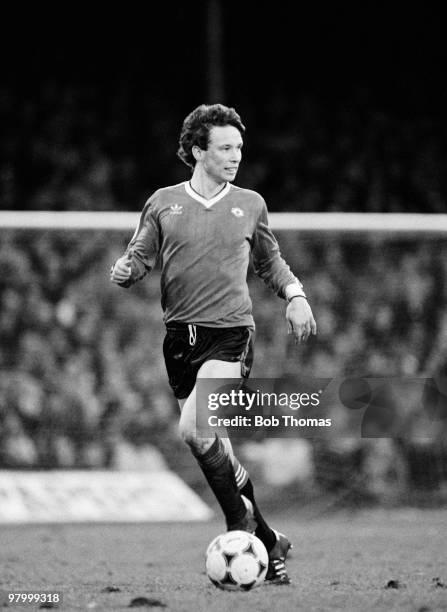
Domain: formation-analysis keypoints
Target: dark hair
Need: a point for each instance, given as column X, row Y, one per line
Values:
column 197, row 125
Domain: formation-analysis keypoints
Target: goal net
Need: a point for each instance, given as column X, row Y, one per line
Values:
column 82, row 376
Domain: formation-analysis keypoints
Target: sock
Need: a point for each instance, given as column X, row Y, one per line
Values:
column 263, row 531
column 218, row 470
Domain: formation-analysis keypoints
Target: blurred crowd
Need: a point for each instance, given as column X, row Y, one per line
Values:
column 67, row 147
column 82, row 381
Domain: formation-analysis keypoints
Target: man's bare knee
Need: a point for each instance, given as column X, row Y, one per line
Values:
column 198, row 445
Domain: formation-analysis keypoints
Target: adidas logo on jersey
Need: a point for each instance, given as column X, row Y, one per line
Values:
column 176, row 209
column 237, row 212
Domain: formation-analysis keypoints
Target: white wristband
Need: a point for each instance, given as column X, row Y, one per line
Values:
column 302, row 297
column 294, row 290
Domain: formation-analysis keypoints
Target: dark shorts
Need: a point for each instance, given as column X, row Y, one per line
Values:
column 187, row 347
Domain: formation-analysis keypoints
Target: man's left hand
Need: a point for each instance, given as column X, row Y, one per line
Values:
column 300, row 320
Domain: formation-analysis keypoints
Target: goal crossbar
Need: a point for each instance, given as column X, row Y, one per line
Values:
column 384, row 223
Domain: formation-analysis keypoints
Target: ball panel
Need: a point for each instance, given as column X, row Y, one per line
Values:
column 235, row 542
column 260, row 551
column 244, row 569
column 214, row 545
column 216, row 566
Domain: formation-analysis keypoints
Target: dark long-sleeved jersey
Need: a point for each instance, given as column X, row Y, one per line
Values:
column 204, row 248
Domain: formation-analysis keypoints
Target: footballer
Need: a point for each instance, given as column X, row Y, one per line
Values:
column 203, row 232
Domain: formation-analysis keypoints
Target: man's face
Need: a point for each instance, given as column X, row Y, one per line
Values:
column 223, row 155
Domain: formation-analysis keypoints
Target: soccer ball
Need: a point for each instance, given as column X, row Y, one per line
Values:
column 236, row 561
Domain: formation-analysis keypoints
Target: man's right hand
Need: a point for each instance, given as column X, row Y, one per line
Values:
column 121, row 271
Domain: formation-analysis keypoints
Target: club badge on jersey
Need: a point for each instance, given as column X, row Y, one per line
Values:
column 237, row 212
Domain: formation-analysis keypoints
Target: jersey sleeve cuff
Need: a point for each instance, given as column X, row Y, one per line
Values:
column 294, row 290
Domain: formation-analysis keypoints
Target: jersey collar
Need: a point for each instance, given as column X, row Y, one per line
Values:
column 204, row 201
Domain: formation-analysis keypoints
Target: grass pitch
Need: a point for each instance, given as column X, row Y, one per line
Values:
column 342, row 562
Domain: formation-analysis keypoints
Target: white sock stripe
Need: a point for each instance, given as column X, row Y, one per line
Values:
column 241, row 482
column 241, row 473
